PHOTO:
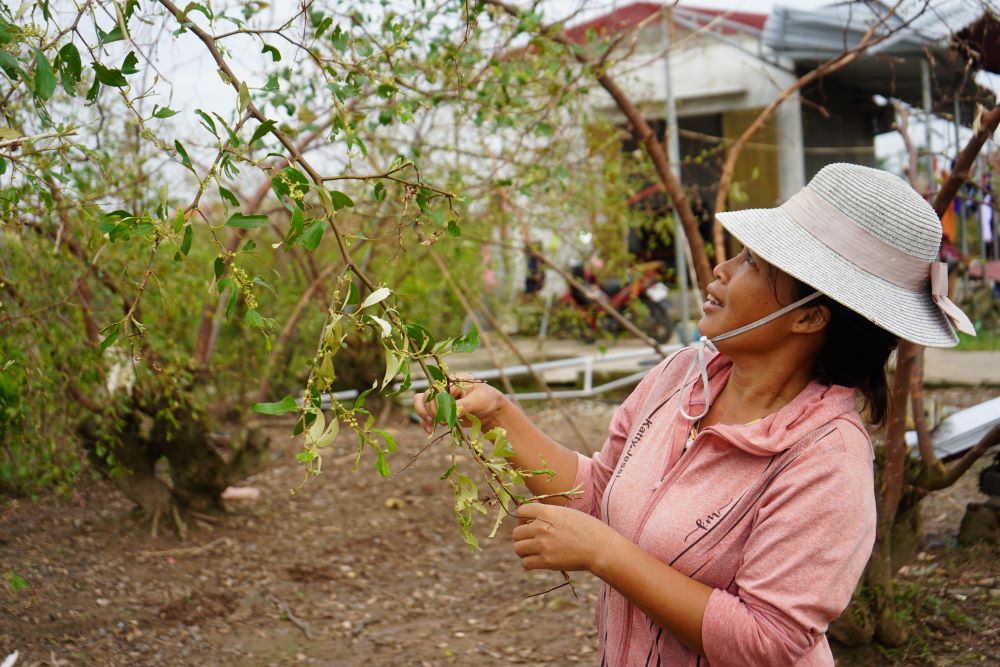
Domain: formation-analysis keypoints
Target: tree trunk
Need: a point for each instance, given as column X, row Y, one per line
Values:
column 200, row 463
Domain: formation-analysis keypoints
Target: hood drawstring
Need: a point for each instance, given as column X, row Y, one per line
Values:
column 705, row 341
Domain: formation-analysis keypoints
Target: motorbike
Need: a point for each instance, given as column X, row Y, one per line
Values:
column 642, row 297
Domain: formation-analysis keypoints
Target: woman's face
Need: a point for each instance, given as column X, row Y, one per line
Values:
column 743, row 292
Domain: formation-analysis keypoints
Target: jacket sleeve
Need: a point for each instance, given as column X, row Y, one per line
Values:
column 809, row 543
column 593, row 472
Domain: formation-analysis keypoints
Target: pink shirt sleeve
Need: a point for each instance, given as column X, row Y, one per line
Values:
column 810, row 541
column 593, row 472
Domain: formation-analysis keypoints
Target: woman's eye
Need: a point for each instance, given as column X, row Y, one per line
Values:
column 749, row 257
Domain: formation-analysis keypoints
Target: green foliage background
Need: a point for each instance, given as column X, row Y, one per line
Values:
column 434, row 127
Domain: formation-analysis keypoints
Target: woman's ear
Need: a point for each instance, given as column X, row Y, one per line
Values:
column 811, row 319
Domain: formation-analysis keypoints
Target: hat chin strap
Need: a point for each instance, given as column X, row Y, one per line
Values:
column 705, row 341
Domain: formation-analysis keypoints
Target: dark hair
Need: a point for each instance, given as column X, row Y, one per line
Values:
column 854, row 352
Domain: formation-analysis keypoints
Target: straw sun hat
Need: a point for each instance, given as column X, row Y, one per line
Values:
column 866, row 239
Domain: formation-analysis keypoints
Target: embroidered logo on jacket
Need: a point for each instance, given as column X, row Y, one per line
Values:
column 706, row 523
column 636, row 439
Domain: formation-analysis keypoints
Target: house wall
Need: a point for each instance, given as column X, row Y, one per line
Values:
column 711, row 76
column 846, row 133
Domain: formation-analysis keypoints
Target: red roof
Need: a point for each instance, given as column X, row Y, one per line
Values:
column 632, row 15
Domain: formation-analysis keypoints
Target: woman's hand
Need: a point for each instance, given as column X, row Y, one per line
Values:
column 551, row 537
column 473, row 397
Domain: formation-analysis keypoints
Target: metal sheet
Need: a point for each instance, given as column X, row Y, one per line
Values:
column 961, row 431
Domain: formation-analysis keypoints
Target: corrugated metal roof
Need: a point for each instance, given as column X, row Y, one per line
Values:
column 892, row 66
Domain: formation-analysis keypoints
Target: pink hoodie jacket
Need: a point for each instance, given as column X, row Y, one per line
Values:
column 778, row 516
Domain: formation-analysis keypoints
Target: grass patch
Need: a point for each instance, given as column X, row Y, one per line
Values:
column 984, row 341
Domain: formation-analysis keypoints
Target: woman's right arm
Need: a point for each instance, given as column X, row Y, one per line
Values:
column 533, row 449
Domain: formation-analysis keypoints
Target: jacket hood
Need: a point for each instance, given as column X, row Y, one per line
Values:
column 817, row 404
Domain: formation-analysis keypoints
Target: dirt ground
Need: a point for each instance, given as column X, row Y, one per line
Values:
column 360, row 570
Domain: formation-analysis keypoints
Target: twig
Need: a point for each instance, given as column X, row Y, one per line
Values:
column 12, row 143
column 733, row 153
column 189, row 551
column 567, row 582
column 287, row 611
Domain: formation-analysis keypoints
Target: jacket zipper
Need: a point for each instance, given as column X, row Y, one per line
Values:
column 682, row 464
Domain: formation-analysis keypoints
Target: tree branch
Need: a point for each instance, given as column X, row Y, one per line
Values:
column 645, row 133
column 733, row 153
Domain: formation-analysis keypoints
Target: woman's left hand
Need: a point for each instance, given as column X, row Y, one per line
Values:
column 551, row 537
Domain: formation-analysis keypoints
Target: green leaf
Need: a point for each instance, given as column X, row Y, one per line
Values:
column 257, row 280
column 285, row 405
column 108, row 76
column 390, row 442
column 244, row 97
column 185, row 160
column 111, row 336
column 453, row 227
column 18, row 583
column 208, row 123
column 378, row 192
column 233, row 296
column 233, row 139
column 186, row 243
column 305, row 457
column 130, row 7
column 381, row 465
column 254, row 319
column 275, row 53
column 94, row 91
column 262, row 130
column 339, row 39
column 228, row 197
column 114, row 35
column 467, row 343
column 163, row 112
column 10, row 66
column 353, row 295
column 195, row 7
column 502, row 449
column 45, row 79
column 70, row 67
column 436, row 373
column 130, row 66
column 447, row 409
column 290, row 182
column 420, row 336
column 447, row 473
column 340, row 200
column 360, row 400
column 296, row 226
column 247, row 221
column 272, row 84
column 219, row 266
column 178, row 220
column 312, row 235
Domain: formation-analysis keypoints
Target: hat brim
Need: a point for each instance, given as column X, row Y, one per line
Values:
column 780, row 241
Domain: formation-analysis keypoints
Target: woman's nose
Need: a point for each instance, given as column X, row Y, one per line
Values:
column 721, row 269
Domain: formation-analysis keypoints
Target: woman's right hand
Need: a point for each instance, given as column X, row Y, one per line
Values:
column 472, row 397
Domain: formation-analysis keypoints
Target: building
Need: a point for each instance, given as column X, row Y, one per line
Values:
column 725, row 67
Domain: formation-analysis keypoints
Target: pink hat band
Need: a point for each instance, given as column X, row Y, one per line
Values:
column 842, row 235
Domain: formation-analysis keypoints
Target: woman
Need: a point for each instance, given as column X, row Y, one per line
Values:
column 731, row 511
